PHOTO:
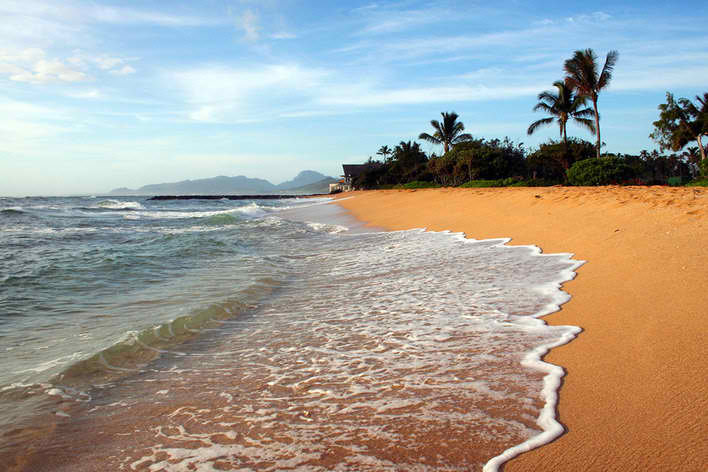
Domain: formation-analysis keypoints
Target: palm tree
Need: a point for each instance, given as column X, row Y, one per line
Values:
column 384, row 151
column 563, row 106
column 448, row 133
column 583, row 77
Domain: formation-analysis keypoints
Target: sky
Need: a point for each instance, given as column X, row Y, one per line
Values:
column 99, row 94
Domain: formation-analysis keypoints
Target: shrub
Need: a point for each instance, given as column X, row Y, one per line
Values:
column 551, row 160
column 704, row 167
column 482, row 183
column 595, row 171
column 418, row 184
column 698, row 183
column 478, row 160
column 533, row 183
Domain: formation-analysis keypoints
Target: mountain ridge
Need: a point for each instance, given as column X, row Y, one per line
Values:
column 306, row 181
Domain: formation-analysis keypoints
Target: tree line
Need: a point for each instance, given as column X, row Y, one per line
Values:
column 472, row 162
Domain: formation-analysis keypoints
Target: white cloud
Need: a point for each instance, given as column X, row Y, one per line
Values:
column 249, row 24
column 125, row 70
column 106, row 62
column 86, row 94
column 595, row 17
column 30, row 65
column 418, row 95
column 283, row 35
column 388, row 21
column 217, row 93
column 23, row 125
column 119, row 15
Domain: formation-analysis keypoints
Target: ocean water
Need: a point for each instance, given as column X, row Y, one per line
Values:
column 262, row 336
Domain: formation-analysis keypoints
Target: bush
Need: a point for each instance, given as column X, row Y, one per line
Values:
column 604, row 171
column 478, row 160
column 551, row 160
column 533, row 183
column 418, row 184
column 704, row 167
column 698, row 183
column 483, row 183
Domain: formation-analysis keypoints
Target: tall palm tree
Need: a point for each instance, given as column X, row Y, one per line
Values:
column 448, row 133
column 384, row 151
column 563, row 105
column 583, row 77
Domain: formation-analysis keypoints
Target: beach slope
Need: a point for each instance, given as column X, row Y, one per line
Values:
column 635, row 396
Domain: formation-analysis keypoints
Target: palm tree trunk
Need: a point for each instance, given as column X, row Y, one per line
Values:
column 597, row 125
column 566, row 160
column 701, row 148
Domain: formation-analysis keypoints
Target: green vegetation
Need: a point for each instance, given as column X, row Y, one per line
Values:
column 698, row 183
column 384, row 151
column 611, row 170
column 583, row 77
column 418, row 184
column 681, row 122
column 479, row 162
column 448, row 133
column 564, row 105
column 483, row 183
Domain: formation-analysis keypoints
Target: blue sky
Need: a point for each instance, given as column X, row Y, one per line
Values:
column 102, row 94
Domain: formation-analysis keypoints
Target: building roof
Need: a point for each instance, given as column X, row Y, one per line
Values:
column 354, row 170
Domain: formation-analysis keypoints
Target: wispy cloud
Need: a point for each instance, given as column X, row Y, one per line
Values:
column 418, row 95
column 121, row 15
column 383, row 20
column 283, row 35
column 125, row 70
column 249, row 24
column 32, row 66
column 220, row 92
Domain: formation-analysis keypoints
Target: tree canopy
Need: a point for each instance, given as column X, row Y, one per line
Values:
column 583, row 76
column 448, row 133
column 563, row 106
column 681, row 122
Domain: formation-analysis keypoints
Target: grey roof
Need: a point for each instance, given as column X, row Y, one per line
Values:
column 354, row 170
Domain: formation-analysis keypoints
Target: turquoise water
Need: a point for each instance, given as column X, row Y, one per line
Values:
column 233, row 335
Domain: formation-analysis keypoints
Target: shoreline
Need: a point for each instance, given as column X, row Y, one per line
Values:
column 633, row 397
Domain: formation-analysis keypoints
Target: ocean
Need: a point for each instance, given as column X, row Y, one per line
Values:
column 266, row 335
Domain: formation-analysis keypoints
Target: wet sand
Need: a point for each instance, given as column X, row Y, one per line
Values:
column 635, row 396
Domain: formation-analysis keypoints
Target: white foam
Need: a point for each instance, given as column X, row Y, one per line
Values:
column 327, row 228
column 119, row 205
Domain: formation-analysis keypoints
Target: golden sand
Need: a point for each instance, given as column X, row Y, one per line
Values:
column 635, row 396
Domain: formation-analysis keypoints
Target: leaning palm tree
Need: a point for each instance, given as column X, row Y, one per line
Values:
column 448, row 133
column 564, row 105
column 583, row 77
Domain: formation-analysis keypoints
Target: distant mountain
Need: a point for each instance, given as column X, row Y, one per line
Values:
column 306, row 177
column 321, row 186
column 239, row 185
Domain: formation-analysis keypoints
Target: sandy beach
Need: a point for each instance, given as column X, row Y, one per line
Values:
column 635, row 396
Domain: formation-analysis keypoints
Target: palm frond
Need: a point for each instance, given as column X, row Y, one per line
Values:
column 584, row 113
column 536, row 124
column 547, row 97
column 447, row 131
column 606, row 74
column 585, row 123
column 544, row 107
column 462, row 138
column 429, row 138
